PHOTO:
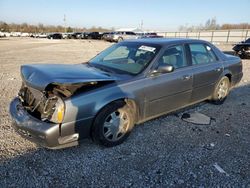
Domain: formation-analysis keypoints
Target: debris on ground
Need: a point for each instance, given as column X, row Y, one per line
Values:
column 11, row 79
column 196, row 118
column 212, row 144
column 220, row 169
column 209, row 146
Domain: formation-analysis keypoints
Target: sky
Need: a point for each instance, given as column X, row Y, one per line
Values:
column 156, row 14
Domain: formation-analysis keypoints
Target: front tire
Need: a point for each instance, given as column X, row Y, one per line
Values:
column 113, row 124
column 221, row 91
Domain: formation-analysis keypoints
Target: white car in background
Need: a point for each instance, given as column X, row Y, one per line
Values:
column 25, row 34
column 122, row 35
column 15, row 34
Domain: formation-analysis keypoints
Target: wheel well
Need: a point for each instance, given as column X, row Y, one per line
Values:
column 133, row 106
column 229, row 77
column 130, row 102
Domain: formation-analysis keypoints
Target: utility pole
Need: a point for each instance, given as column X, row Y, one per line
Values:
column 141, row 25
column 64, row 20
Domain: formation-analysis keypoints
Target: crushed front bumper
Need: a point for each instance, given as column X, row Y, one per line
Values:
column 35, row 130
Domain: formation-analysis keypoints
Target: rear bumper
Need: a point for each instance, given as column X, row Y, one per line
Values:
column 35, row 130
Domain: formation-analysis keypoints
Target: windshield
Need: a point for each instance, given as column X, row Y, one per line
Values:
column 130, row 58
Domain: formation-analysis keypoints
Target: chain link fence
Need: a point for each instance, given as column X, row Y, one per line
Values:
column 216, row 36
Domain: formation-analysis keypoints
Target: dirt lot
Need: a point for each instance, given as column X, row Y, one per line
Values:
column 160, row 153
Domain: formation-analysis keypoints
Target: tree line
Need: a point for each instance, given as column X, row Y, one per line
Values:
column 211, row 24
column 41, row 28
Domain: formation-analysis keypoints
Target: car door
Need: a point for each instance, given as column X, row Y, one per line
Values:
column 207, row 69
column 169, row 91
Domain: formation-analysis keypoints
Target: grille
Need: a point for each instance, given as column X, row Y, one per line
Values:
column 36, row 102
column 31, row 98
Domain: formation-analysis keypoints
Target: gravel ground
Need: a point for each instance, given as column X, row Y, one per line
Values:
column 165, row 152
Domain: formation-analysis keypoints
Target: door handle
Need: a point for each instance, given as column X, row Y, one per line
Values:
column 217, row 69
column 186, row 77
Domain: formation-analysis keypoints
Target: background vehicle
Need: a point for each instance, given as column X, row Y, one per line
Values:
column 243, row 49
column 39, row 35
column 108, row 36
column 129, row 83
column 92, row 35
column 2, row 34
column 122, row 35
column 104, row 35
column 55, row 36
column 74, row 35
column 66, row 35
column 149, row 35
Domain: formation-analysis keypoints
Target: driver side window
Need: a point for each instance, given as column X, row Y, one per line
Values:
column 174, row 56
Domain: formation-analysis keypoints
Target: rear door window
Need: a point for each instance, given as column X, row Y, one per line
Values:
column 202, row 54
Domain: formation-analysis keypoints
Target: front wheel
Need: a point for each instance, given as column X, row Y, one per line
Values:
column 113, row 124
column 221, row 91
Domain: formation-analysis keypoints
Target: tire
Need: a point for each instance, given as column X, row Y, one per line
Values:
column 107, row 129
column 221, row 91
column 120, row 39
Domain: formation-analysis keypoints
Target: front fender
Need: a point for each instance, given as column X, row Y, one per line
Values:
column 87, row 105
column 113, row 97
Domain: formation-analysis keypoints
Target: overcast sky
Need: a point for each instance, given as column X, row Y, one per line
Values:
column 156, row 14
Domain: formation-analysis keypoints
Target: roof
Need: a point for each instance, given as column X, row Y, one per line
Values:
column 164, row 41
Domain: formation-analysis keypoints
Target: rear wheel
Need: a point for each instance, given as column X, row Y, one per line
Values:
column 113, row 124
column 221, row 91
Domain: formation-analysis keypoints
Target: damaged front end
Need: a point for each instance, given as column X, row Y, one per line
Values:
column 48, row 105
column 39, row 115
column 39, row 110
column 44, row 105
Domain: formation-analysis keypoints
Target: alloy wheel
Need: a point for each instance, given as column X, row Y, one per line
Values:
column 116, row 125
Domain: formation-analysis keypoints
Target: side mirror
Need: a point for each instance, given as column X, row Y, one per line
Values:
column 167, row 68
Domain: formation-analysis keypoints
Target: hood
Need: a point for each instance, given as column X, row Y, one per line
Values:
column 39, row 76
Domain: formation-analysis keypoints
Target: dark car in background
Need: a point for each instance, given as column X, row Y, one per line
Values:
column 91, row 35
column 243, row 49
column 55, row 36
column 129, row 83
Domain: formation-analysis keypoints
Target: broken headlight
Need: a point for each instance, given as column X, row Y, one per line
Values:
column 54, row 109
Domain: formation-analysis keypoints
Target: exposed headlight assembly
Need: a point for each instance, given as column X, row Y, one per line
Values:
column 54, row 109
